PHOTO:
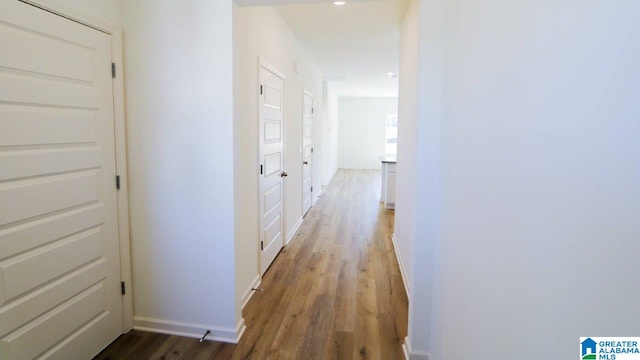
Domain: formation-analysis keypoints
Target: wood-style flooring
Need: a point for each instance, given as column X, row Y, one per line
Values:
column 335, row 292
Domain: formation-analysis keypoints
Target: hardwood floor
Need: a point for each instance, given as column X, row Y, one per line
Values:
column 335, row 292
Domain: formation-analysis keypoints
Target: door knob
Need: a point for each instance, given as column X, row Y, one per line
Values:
column 284, row 174
column 306, row 163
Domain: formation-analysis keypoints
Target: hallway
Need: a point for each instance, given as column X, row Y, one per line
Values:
column 335, row 292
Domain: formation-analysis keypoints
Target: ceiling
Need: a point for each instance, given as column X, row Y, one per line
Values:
column 354, row 45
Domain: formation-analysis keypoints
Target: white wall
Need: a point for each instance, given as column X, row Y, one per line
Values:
column 330, row 133
column 362, row 123
column 178, row 73
column 404, row 227
column 406, row 183
column 536, row 177
column 109, row 11
column 418, row 202
column 260, row 32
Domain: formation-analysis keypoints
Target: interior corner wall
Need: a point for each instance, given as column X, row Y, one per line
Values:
column 419, row 185
column 178, row 66
column 362, row 128
column 261, row 33
column 330, row 133
column 540, row 198
column 405, row 211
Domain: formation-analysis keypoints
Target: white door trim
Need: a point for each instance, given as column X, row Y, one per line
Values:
column 264, row 64
column 120, row 140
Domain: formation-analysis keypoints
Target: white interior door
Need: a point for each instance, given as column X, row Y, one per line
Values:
column 59, row 254
column 271, row 165
column 307, row 152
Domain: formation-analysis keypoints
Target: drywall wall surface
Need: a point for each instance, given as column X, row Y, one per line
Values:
column 540, row 147
column 109, row 11
column 407, row 185
column 362, row 124
column 178, row 78
column 330, row 133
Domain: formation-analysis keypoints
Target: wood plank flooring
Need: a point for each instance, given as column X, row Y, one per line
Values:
column 335, row 292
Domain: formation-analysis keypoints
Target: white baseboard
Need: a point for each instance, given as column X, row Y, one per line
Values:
column 240, row 328
column 405, row 349
column 316, row 197
column 410, row 354
column 227, row 335
column 249, row 293
column 294, row 231
column 403, row 271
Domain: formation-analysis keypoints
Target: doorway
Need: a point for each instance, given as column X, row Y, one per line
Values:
column 59, row 236
column 272, row 174
column 307, row 152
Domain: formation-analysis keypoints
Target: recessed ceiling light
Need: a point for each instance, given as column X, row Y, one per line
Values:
column 339, row 3
column 391, row 74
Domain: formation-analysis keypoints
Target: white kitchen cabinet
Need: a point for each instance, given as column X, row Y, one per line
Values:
column 388, row 182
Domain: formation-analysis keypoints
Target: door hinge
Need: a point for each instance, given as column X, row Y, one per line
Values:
column 312, row 189
column 117, row 182
column 312, row 109
column 123, row 288
column 312, row 150
column 261, row 168
column 261, row 245
column 113, row 70
column 260, row 89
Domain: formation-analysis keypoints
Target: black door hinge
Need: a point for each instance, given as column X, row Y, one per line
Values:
column 117, row 182
column 113, row 70
column 312, row 150
column 123, row 288
column 312, row 189
column 261, row 168
column 312, row 110
column 260, row 89
column 261, row 245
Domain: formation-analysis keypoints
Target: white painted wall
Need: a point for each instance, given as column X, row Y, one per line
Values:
column 362, row 123
column 109, row 11
column 531, row 131
column 418, row 187
column 260, row 32
column 556, row 107
column 405, row 209
column 329, row 133
column 178, row 72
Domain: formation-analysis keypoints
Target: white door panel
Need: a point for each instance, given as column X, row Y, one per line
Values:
column 31, row 340
column 59, row 252
column 66, row 126
column 50, row 295
column 272, row 166
column 307, row 153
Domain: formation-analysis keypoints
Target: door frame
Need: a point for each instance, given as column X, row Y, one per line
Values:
column 306, row 92
column 120, row 140
column 264, row 64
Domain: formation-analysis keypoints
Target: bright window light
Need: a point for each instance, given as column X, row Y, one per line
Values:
column 391, row 135
column 339, row 3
